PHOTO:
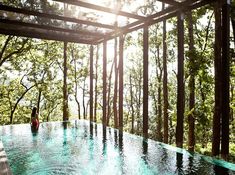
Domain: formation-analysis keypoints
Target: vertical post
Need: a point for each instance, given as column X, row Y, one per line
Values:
column 191, row 118
column 217, row 65
column 145, row 82
column 65, row 91
column 91, row 83
column 225, row 80
column 121, row 43
column 165, row 91
column 180, row 82
column 104, row 81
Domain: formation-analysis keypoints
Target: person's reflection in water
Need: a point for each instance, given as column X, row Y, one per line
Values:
column 218, row 170
column 179, row 163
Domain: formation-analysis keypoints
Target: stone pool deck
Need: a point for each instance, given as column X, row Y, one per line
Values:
column 4, row 166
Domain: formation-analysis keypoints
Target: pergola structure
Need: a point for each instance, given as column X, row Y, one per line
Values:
column 94, row 33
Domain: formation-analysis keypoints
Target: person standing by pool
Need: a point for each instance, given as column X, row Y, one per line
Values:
column 34, row 120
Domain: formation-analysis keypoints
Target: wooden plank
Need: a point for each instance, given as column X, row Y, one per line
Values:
column 104, row 82
column 47, row 36
column 47, row 27
column 180, row 82
column 53, row 16
column 91, row 83
column 101, row 8
column 225, row 108
column 145, row 82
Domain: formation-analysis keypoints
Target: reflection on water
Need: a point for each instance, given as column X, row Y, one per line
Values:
column 81, row 147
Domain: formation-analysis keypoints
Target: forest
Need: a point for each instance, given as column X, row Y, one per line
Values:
column 32, row 74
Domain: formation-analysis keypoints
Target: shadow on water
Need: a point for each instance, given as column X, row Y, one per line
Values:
column 145, row 151
column 179, row 163
column 121, row 151
column 91, row 130
column 218, row 170
column 104, row 139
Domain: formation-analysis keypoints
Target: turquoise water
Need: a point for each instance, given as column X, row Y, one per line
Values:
column 80, row 148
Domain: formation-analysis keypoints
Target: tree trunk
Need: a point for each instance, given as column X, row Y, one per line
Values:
column 65, row 90
column 115, row 86
column 109, row 94
column 76, row 85
column 132, row 107
column 96, row 84
column 159, row 103
column 191, row 119
column 39, row 100
column 17, row 102
column 83, row 99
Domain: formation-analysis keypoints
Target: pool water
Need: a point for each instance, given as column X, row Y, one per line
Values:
column 79, row 147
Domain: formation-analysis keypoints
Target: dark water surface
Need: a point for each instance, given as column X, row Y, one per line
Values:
column 80, row 148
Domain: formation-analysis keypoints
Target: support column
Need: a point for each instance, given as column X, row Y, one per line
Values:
column 165, row 90
column 180, row 82
column 225, row 80
column 91, row 83
column 104, row 82
column 65, row 90
column 145, row 82
column 217, row 64
column 121, row 43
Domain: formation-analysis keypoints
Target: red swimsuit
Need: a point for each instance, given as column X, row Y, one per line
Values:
column 35, row 123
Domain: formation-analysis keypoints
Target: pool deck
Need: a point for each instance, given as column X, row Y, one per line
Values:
column 4, row 166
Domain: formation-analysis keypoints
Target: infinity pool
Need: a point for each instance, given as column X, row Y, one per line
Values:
column 80, row 148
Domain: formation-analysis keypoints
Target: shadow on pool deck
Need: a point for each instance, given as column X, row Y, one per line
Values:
column 4, row 166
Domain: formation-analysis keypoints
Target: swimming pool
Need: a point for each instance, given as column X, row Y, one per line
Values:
column 80, row 148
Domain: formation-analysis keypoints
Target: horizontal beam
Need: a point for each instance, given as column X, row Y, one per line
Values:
column 53, row 16
column 170, row 2
column 38, row 35
column 52, row 28
column 101, row 8
column 155, row 18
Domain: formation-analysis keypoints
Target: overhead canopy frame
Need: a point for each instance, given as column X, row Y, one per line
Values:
column 85, row 31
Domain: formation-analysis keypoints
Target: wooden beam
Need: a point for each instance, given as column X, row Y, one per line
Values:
column 217, row 67
column 47, row 36
column 180, row 82
column 53, row 16
column 121, row 44
column 155, row 18
column 104, row 82
column 91, row 83
column 145, row 82
column 52, row 28
column 225, row 80
column 101, row 8
column 170, row 2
